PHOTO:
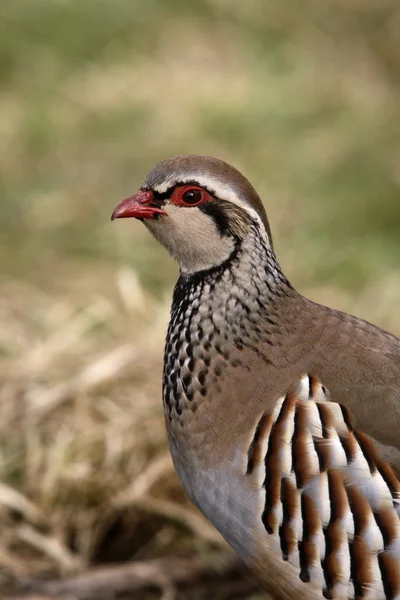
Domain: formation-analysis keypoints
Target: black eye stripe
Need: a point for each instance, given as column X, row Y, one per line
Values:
column 218, row 215
column 168, row 193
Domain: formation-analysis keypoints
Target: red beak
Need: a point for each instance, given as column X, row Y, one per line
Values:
column 138, row 206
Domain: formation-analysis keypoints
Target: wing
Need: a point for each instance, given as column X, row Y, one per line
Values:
column 331, row 499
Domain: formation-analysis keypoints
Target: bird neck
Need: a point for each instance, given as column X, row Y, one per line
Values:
column 245, row 283
column 215, row 314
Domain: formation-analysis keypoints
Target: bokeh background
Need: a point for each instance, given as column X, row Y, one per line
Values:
column 304, row 98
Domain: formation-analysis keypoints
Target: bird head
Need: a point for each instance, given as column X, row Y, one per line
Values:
column 200, row 208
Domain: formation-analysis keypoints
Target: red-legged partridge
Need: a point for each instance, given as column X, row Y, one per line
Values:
column 283, row 416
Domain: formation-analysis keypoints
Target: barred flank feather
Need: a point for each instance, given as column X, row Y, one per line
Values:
column 328, row 477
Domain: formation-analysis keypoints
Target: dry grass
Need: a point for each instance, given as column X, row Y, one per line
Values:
column 307, row 105
column 87, row 475
column 87, row 478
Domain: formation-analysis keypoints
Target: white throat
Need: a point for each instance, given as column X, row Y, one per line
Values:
column 192, row 239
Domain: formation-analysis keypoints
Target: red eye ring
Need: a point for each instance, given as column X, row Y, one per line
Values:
column 189, row 195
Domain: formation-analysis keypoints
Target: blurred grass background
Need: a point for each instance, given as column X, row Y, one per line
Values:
column 305, row 100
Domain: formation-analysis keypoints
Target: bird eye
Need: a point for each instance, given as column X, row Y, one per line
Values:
column 192, row 196
column 189, row 195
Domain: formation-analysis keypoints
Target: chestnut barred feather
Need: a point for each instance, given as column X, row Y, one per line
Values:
column 329, row 496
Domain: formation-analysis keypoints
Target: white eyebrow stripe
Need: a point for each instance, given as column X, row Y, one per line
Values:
column 220, row 190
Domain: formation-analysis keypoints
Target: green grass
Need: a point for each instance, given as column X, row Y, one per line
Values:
column 307, row 104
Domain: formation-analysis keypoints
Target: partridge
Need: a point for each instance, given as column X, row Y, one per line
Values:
column 283, row 415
